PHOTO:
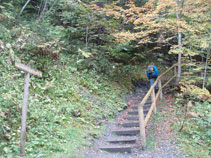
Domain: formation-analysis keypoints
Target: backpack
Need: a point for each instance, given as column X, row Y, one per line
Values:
column 150, row 69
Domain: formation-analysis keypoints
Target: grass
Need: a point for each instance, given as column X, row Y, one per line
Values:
column 150, row 141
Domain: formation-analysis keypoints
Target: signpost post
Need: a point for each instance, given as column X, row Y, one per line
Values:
column 28, row 70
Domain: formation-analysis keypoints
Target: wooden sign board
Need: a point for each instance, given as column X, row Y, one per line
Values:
column 28, row 69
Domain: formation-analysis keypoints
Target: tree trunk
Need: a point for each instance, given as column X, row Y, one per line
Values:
column 179, row 6
column 87, row 34
column 24, row 7
column 179, row 56
column 205, row 71
column 44, row 9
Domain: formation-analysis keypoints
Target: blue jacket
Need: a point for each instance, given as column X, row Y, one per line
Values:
column 154, row 74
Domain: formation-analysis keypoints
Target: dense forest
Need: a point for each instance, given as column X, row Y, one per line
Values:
column 92, row 53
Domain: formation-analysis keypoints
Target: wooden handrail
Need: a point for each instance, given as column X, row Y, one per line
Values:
column 159, row 77
column 151, row 109
column 143, row 122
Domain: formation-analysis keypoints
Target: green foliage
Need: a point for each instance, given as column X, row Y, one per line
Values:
column 63, row 103
column 124, row 51
column 195, row 136
column 192, row 81
column 85, row 74
column 78, row 91
column 194, row 120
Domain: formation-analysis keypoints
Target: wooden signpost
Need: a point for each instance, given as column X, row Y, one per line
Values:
column 28, row 70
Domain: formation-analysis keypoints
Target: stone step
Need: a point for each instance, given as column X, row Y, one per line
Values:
column 130, row 124
column 117, row 148
column 126, row 131
column 131, row 140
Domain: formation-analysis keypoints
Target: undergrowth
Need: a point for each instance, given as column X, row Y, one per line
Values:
column 67, row 108
column 194, row 134
column 193, row 113
column 82, row 85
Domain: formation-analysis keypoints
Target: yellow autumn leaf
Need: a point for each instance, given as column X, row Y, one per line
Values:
column 85, row 54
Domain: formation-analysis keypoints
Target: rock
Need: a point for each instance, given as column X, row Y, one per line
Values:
column 190, row 105
column 192, row 114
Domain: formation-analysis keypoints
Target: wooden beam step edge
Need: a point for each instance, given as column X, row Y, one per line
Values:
column 145, row 106
column 130, row 124
column 132, row 117
column 136, row 112
column 122, row 140
column 117, row 148
column 127, row 131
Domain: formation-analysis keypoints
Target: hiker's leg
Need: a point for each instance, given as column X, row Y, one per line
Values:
column 156, row 84
column 151, row 81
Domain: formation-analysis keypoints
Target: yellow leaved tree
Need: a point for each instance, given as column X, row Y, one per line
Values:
column 181, row 25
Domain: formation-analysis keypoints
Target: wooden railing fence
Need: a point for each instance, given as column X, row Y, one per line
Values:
column 143, row 122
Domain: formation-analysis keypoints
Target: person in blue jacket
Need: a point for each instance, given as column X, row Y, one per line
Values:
column 152, row 74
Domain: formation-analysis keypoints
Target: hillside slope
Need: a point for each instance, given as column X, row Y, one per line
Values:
column 65, row 107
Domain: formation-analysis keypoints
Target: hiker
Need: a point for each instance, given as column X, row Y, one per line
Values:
column 152, row 74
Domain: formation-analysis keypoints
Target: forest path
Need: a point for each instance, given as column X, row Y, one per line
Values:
column 159, row 134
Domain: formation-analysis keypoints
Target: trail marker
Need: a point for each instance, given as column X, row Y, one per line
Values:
column 28, row 70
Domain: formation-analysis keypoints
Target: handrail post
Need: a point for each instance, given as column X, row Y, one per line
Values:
column 160, row 88
column 153, row 100
column 142, row 126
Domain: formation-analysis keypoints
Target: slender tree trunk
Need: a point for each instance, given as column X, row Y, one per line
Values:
column 191, row 61
column 44, row 8
column 179, row 56
column 205, row 71
column 24, row 7
column 179, row 6
column 40, row 8
column 87, row 34
column 52, row 5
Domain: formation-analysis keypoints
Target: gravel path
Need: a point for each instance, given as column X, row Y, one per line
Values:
column 164, row 139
